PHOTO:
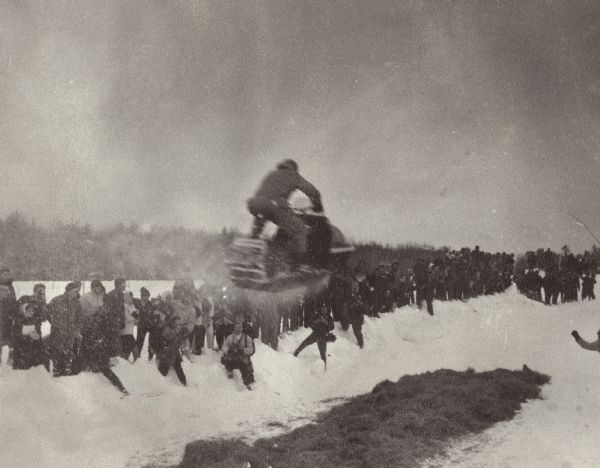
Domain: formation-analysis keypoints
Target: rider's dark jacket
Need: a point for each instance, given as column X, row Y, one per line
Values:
column 280, row 183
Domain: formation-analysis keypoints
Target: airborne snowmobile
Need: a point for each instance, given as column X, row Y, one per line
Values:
column 268, row 265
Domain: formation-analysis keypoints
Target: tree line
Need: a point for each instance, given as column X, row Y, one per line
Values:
column 67, row 251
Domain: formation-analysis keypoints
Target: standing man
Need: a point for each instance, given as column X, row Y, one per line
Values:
column 356, row 310
column 114, row 302
column 66, row 318
column 425, row 287
column 145, row 309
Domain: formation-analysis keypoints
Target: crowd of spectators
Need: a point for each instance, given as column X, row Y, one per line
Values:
column 457, row 275
column 550, row 277
column 89, row 330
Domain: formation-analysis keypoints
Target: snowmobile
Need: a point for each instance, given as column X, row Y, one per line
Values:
column 268, row 265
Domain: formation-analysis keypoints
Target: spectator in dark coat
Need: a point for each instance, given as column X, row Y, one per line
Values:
column 157, row 323
column 145, row 309
column 8, row 311
column 321, row 327
column 169, row 356
column 66, row 317
column 587, row 288
column 356, row 310
column 198, row 333
column 340, row 295
column 115, row 306
column 237, row 350
column 96, row 346
column 425, row 284
column 29, row 349
column 203, row 327
column 223, row 322
column 128, row 344
column 551, row 286
column 296, row 312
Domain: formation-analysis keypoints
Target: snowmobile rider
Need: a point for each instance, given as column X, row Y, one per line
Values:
column 270, row 203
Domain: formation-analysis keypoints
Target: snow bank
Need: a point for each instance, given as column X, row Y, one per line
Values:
column 82, row 421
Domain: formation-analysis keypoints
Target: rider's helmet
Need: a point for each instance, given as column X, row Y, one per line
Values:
column 288, row 164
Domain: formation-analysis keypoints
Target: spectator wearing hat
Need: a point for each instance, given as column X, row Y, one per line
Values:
column 238, row 347
column 66, row 317
column 29, row 350
column 145, row 308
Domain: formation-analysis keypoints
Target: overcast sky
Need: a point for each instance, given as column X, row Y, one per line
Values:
column 450, row 123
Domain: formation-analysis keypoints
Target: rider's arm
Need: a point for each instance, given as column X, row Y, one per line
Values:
column 308, row 189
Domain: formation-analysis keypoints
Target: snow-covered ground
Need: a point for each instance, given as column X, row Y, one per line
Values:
column 82, row 421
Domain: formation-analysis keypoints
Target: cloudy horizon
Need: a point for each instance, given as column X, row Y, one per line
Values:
column 446, row 123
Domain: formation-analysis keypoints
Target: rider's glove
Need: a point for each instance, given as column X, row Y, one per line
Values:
column 318, row 207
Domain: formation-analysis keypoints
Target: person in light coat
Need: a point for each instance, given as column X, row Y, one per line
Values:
column 237, row 350
column 93, row 300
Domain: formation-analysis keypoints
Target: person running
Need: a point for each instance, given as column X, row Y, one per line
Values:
column 321, row 327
